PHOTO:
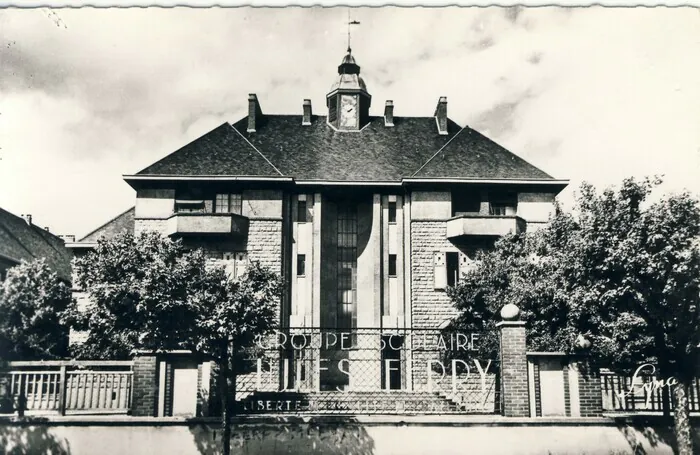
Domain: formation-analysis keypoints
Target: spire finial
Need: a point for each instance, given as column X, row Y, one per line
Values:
column 350, row 22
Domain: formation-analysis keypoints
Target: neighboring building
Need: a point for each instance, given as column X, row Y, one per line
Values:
column 21, row 240
column 368, row 218
column 122, row 223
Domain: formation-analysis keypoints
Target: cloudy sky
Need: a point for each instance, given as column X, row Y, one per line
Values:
column 87, row 95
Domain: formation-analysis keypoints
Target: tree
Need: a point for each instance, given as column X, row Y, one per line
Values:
column 151, row 293
column 33, row 301
column 621, row 272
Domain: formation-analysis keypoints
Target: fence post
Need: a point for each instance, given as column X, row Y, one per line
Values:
column 515, row 399
column 63, row 380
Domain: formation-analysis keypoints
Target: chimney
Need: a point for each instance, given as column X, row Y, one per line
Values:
column 27, row 218
column 307, row 113
column 441, row 115
column 389, row 113
column 254, row 112
column 46, row 228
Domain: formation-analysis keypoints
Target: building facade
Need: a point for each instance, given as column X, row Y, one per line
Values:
column 22, row 240
column 367, row 218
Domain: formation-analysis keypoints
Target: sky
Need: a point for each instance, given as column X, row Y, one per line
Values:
column 586, row 94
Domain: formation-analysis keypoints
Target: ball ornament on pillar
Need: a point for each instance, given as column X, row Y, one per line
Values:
column 510, row 312
column 582, row 342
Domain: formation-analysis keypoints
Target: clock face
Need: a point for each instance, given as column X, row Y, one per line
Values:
column 348, row 111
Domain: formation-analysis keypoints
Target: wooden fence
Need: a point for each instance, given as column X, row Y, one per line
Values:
column 63, row 387
column 620, row 395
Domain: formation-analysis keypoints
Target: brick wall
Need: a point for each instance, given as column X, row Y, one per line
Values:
column 514, row 385
column 145, row 386
column 567, row 393
column 591, row 398
column 430, row 306
column 538, row 392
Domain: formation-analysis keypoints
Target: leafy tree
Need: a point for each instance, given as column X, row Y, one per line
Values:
column 151, row 293
column 32, row 302
column 620, row 276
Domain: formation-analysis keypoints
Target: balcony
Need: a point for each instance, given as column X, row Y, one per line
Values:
column 484, row 225
column 222, row 224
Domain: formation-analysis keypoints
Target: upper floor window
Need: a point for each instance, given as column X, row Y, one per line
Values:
column 465, row 201
column 502, row 204
column 392, row 211
column 301, row 210
column 228, row 203
column 189, row 206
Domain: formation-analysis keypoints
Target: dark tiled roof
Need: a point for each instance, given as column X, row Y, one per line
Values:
column 124, row 222
column 21, row 241
column 221, row 151
column 318, row 152
column 472, row 155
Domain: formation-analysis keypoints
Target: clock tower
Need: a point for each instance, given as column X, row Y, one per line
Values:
column 348, row 101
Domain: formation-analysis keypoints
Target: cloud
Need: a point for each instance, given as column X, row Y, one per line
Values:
column 585, row 93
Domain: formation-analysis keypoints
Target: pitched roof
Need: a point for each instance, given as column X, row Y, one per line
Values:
column 20, row 240
column 319, row 152
column 124, row 222
column 222, row 151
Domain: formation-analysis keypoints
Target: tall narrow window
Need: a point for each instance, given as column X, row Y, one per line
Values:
column 347, row 265
column 221, row 203
column 301, row 211
column 392, row 265
column 301, row 264
column 452, row 263
column 392, row 212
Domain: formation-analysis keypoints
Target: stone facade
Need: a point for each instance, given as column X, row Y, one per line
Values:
column 149, row 224
column 430, row 306
column 265, row 243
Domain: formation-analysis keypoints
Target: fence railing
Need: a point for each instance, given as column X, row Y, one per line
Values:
column 68, row 386
column 368, row 370
column 621, row 394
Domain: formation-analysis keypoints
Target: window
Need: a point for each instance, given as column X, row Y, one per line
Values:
column 301, row 211
column 347, row 265
column 465, row 201
column 452, row 266
column 235, row 263
column 392, row 212
column 502, row 204
column 228, row 203
column 392, row 265
column 189, row 206
column 301, row 264
column 448, row 267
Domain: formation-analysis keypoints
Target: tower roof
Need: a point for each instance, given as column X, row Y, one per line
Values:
column 348, row 65
column 349, row 75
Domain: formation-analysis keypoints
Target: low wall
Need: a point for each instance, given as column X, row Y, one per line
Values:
column 352, row 435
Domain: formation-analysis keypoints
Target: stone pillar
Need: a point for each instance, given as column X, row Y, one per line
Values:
column 144, row 392
column 514, row 386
